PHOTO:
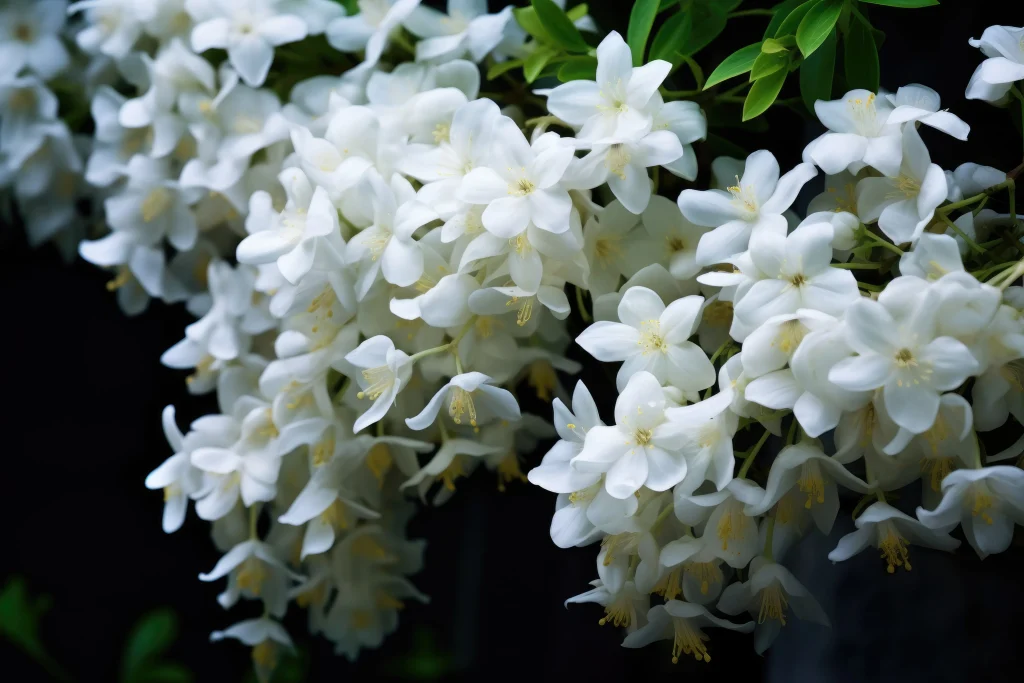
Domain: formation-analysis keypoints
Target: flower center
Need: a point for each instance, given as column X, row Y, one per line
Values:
column 442, row 131
column 797, row 280
column 643, row 436
column 156, row 202
column 812, row 483
column 509, row 471
column 893, row 547
column 605, row 248
column 791, row 333
column 718, row 313
column 937, row 469
column 743, row 198
column 773, row 604
column 542, row 378
column 323, row 451
column 617, row 160
column 705, row 572
column 452, row 472
column 671, row 584
column 379, row 380
column 675, row 244
column 905, row 358
column 689, row 640
column 982, row 502
column 908, row 186
column 864, row 114
column 619, row 613
column 524, row 306
column 650, row 337
column 521, row 187
column 336, row 515
column 731, row 526
column 24, row 33
column 251, row 576
column 461, row 403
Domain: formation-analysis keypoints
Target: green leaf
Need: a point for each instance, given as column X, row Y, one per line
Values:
column 152, row 635
column 536, row 62
column 768, row 63
column 672, row 35
column 166, row 672
column 503, row 67
column 19, row 623
column 641, row 20
column 909, row 4
column 578, row 68
column 762, row 94
column 708, row 22
column 578, row 12
column 780, row 12
column 816, row 73
column 739, row 62
column 860, row 56
column 817, row 25
column 531, row 23
column 791, row 23
column 771, row 46
column 559, row 26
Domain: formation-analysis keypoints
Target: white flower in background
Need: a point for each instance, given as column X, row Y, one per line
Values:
column 921, row 103
column 653, row 338
column 798, row 275
column 467, row 29
column 932, row 257
column 248, row 29
column 370, row 29
column 112, row 27
column 754, row 204
column 614, row 108
column 471, row 399
column 679, row 237
column 904, row 204
column 23, row 101
column 861, row 134
column 31, row 40
column 682, row 623
column 176, row 475
column 626, row 608
column 613, row 248
column 898, row 349
column 623, row 166
column 687, row 122
column 265, row 636
column 1005, row 64
column 886, row 528
column 385, row 370
column 520, row 184
column 987, row 502
column 769, row 594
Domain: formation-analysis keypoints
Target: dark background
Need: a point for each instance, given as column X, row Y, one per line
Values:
column 82, row 429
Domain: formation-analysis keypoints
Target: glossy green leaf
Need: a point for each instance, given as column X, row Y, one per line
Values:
column 768, row 63
column 816, row 73
column 671, row 37
column 641, row 20
column 578, row 12
column 503, row 67
column 910, row 4
column 152, row 635
column 791, row 23
column 536, row 62
column 578, row 68
column 762, row 94
column 860, row 55
column 559, row 26
column 779, row 14
column 708, row 22
column 739, row 62
column 817, row 25
column 771, row 46
column 527, row 18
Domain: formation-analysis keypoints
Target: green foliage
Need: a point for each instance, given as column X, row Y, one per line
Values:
column 671, row 37
column 578, row 68
column 767, row 63
column 817, row 25
column 739, row 62
column 641, row 20
column 142, row 659
column 762, row 94
column 708, row 23
column 503, row 67
column 779, row 14
column 536, row 62
column 791, row 23
column 908, row 4
column 816, row 73
column 19, row 623
column 860, row 54
column 559, row 26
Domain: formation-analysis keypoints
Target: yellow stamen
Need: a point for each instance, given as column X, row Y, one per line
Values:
column 893, row 547
column 509, row 470
column 460, row 403
column 379, row 461
column 688, row 640
column 773, row 604
column 156, row 202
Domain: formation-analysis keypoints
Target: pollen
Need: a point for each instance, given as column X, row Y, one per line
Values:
column 617, row 160
column 379, row 462
column 442, row 132
column 606, row 248
column 773, row 604
column 744, row 198
column 650, row 337
column 893, row 547
column 797, row 280
column 251, row 575
column 525, row 308
column 619, row 613
column 708, row 573
column 156, row 202
column 675, row 244
column 671, row 584
column 521, row 187
column 323, row 451
column 982, row 503
column 908, row 186
column 379, row 380
column 336, row 515
column 542, row 378
column 452, row 472
column 688, row 640
column 731, row 525
column 905, row 358
column 461, row 403
column 937, row 469
column 509, row 471
column 812, row 483
column 642, row 436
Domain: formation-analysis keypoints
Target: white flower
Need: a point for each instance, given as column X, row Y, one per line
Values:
column 174, row 70
column 993, row 78
column 682, row 622
column 861, row 135
column 921, row 103
column 520, row 184
column 905, row 203
column 892, row 532
column 653, row 338
column 623, row 166
column 385, row 371
column 23, row 102
column 932, row 257
column 804, row 469
column 112, row 27
column 768, row 594
column 251, row 475
column 687, row 122
column 755, row 204
column 642, row 449
column 388, row 245
column 265, row 636
column 370, row 29
column 706, row 430
column 304, row 235
column 248, row 29
column 773, row 343
column 470, row 397
column 626, row 608
column 176, row 475
column 900, row 351
column 31, row 38
column 665, row 222
column 798, row 275
column 254, row 570
column 467, row 28
column 613, row 249
column 987, row 502
column 614, row 108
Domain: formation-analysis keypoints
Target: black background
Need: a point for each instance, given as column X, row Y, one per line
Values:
column 84, row 390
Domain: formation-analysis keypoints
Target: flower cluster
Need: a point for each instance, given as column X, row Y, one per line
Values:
column 376, row 260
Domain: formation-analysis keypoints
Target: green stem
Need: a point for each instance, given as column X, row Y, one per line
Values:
column 720, row 350
column 750, row 13
column 879, row 242
column 429, row 352
column 753, row 454
column 254, row 516
column 861, row 504
column 582, row 306
column 870, row 288
column 856, row 266
column 963, row 235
